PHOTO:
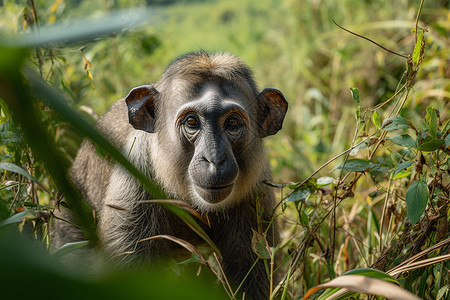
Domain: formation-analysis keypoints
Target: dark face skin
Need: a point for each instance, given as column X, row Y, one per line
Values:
column 209, row 136
column 212, row 128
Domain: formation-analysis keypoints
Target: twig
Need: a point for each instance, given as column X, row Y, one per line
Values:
column 230, row 293
column 363, row 37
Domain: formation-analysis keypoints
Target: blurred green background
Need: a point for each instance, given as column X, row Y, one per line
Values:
column 290, row 45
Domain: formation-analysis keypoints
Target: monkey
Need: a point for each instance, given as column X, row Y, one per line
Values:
column 198, row 132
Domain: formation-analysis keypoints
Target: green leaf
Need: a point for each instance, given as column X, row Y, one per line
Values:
column 372, row 273
column 69, row 247
column 324, row 181
column 417, row 47
column 304, row 218
column 416, row 200
column 4, row 113
column 303, row 191
column 376, row 119
column 404, row 140
column 402, row 174
column 356, row 165
column 431, row 120
column 355, row 94
column 300, row 194
column 259, row 245
column 430, row 144
column 395, row 123
column 16, row 169
column 404, row 165
column 17, row 218
column 441, row 292
column 447, row 141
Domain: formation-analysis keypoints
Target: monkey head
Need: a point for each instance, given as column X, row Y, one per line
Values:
column 203, row 125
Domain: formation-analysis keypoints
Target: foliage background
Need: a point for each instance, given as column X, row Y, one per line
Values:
column 295, row 47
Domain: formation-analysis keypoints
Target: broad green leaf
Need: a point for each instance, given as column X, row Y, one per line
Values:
column 416, row 200
column 430, row 144
column 259, row 245
column 402, row 174
column 431, row 120
column 447, row 141
column 304, row 217
column 417, row 47
column 17, row 218
column 355, row 94
column 324, row 181
column 300, row 194
column 402, row 166
column 404, row 140
column 356, row 165
column 376, row 119
column 441, row 292
column 395, row 123
column 69, row 247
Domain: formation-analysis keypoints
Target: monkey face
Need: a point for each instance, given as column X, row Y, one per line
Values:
column 209, row 128
column 213, row 129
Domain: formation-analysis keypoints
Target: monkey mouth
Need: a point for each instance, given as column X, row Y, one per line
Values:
column 214, row 193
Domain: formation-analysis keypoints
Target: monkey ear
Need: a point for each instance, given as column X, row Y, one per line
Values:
column 272, row 109
column 141, row 107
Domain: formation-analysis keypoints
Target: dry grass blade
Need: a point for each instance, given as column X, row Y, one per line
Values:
column 180, row 204
column 409, row 261
column 188, row 246
column 420, row 264
column 366, row 285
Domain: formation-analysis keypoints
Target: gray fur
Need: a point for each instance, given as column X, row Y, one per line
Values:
column 117, row 197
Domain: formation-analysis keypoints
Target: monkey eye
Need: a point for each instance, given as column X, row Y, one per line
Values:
column 191, row 123
column 233, row 125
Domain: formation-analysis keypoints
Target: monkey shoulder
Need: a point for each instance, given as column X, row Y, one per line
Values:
column 114, row 124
